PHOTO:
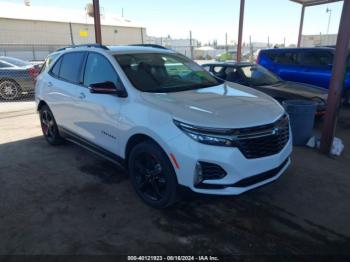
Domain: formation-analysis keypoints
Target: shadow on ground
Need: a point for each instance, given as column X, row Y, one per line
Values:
column 65, row 200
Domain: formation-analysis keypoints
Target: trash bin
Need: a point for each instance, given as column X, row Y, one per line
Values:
column 302, row 118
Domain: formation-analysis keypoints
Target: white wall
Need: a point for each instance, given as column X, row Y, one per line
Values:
column 30, row 40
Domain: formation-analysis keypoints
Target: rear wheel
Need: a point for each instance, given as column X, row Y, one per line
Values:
column 152, row 175
column 9, row 89
column 49, row 126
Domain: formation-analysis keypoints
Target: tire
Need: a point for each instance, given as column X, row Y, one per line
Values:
column 9, row 89
column 152, row 175
column 49, row 126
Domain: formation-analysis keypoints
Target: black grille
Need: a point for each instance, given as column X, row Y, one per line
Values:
column 264, row 140
column 212, row 171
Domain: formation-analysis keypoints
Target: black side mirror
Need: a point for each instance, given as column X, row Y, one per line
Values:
column 107, row 88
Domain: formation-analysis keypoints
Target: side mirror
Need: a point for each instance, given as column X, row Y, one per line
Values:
column 107, row 88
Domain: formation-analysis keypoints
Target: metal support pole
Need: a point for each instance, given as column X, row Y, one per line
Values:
column 226, row 44
column 337, row 81
column 97, row 21
column 301, row 25
column 240, row 31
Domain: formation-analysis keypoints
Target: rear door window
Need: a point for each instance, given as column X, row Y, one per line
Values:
column 71, row 67
column 287, row 58
column 55, row 71
column 48, row 62
column 317, row 59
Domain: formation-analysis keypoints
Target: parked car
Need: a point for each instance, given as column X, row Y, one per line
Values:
column 306, row 65
column 259, row 78
column 165, row 119
column 16, row 77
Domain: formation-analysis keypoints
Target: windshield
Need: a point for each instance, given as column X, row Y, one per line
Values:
column 162, row 73
column 259, row 76
column 15, row 61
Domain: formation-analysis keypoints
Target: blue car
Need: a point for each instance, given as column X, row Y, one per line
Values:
column 304, row 65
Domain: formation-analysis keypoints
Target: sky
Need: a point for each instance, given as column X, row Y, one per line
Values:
column 210, row 20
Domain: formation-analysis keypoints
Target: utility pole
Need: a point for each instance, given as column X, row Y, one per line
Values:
column 97, row 22
column 284, row 42
column 122, row 12
column 71, row 33
column 226, row 44
column 268, row 41
column 329, row 18
column 141, row 31
column 251, row 51
column 191, row 45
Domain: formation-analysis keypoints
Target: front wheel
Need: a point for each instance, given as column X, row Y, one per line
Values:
column 152, row 175
column 49, row 126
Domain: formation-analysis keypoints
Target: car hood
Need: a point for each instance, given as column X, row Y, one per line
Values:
column 224, row 106
column 303, row 90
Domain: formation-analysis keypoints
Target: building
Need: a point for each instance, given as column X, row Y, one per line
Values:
column 318, row 40
column 31, row 32
column 182, row 46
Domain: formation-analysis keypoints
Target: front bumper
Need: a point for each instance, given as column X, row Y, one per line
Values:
column 242, row 174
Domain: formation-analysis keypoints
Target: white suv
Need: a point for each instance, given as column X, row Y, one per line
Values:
column 164, row 118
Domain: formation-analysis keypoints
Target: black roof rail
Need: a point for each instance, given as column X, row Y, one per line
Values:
column 149, row 45
column 84, row 45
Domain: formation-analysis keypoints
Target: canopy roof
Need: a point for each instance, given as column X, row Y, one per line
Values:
column 314, row 2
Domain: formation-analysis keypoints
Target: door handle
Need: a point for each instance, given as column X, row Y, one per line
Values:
column 49, row 84
column 82, row 95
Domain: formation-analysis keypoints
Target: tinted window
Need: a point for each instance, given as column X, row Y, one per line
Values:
column 3, row 65
column 71, row 66
column 258, row 75
column 99, row 70
column 217, row 69
column 317, row 58
column 56, row 68
column 288, row 58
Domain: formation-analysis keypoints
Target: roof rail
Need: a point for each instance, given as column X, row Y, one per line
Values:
column 149, row 45
column 84, row 45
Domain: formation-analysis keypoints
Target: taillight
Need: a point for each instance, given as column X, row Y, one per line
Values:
column 33, row 72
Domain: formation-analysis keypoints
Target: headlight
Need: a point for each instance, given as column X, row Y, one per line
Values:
column 208, row 136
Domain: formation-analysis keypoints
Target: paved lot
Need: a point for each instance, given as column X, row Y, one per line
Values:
column 64, row 200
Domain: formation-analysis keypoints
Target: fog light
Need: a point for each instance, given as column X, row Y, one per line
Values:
column 198, row 176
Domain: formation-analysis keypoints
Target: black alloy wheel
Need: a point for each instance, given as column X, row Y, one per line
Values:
column 152, row 175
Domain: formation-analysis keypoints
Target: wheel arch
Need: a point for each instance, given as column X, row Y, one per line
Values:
column 41, row 104
column 135, row 140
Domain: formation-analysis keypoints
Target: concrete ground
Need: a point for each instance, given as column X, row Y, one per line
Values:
column 65, row 200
